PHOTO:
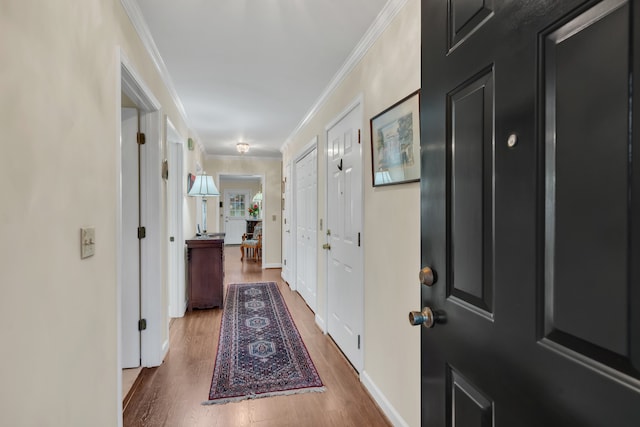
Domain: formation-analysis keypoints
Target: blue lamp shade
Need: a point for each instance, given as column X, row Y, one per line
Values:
column 204, row 186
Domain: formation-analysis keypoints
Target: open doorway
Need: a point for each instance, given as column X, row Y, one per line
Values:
column 241, row 205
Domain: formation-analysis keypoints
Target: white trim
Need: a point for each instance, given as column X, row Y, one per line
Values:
column 286, row 243
column 384, row 18
column 176, row 265
column 152, row 211
column 306, row 149
column 134, row 86
column 165, row 348
column 358, row 101
column 382, row 401
column 140, row 25
column 152, row 348
column 272, row 265
column 321, row 323
column 118, row 241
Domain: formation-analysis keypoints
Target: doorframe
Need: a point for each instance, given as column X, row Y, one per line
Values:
column 263, row 184
column 152, row 349
column 175, row 195
column 323, row 323
column 287, row 246
column 223, row 211
column 293, row 283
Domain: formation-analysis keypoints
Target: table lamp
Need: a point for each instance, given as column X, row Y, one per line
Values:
column 205, row 187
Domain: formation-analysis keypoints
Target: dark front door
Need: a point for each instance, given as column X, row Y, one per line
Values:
column 531, row 212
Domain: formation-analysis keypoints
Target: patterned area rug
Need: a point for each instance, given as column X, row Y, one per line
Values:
column 260, row 352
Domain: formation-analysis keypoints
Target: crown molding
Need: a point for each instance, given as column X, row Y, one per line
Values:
column 140, row 25
column 384, row 18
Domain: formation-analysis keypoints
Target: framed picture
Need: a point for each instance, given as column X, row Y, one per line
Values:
column 395, row 143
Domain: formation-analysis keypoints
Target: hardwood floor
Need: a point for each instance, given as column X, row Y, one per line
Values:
column 171, row 394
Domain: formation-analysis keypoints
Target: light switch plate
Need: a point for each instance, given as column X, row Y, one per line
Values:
column 87, row 242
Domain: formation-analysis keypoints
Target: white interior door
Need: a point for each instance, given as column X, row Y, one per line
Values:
column 175, row 201
column 236, row 205
column 344, row 227
column 130, row 242
column 306, row 227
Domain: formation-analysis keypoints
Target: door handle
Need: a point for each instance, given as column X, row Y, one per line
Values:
column 326, row 246
column 427, row 276
column 427, row 317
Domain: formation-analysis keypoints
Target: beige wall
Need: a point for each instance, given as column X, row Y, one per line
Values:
column 59, row 115
column 271, row 169
column 389, row 72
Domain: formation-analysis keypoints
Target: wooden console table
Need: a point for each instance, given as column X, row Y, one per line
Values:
column 205, row 258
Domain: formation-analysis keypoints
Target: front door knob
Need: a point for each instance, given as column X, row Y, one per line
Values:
column 427, row 318
column 427, row 276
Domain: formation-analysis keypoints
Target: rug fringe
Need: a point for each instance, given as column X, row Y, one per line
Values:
column 261, row 395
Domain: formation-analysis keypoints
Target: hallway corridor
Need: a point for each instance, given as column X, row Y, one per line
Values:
column 171, row 394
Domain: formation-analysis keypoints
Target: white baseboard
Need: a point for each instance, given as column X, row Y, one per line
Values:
column 165, row 349
column 321, row 323
column 381, row 400
column 275, row 265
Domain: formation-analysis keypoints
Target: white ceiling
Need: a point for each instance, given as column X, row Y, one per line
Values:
column 251, row 70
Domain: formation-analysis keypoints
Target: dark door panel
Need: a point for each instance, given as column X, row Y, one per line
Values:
column 531, row 212
column 587, row 91
column 470, row 128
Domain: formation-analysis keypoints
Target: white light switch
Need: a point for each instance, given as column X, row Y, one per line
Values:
column 87, row 242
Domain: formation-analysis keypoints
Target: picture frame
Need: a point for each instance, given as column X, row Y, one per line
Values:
column 395, row 143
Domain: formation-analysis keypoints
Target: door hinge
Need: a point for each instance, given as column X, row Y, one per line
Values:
column 141, row 138
column 285, row 262
column 358, row 239
column 328, row 232
column 358, row 136
column 142, row 324
column 358, row 342
column 142, row 232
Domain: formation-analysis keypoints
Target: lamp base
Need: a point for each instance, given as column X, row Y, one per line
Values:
column 204, row 216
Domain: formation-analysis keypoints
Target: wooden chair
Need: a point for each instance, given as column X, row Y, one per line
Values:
column 252, row 246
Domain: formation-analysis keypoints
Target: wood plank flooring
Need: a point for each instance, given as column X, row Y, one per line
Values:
column 171, row 394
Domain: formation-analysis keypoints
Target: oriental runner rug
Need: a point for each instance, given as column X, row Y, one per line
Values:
column 260, row 351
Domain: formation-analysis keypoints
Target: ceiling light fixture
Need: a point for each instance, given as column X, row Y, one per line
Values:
column 242, row 147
